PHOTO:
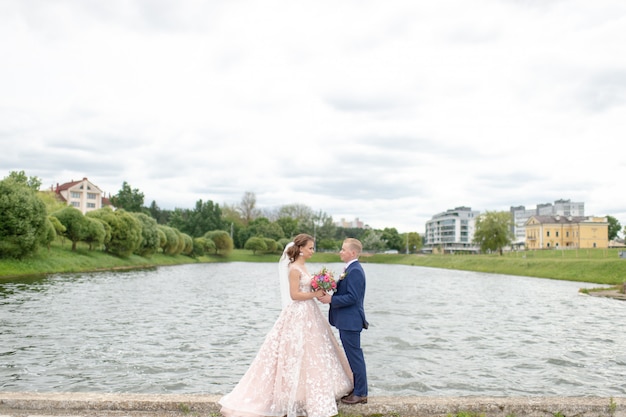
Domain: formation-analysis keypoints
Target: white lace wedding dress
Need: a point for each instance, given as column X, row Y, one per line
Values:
column 300, row 369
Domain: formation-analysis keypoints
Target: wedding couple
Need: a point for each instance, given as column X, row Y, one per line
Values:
column 300, row 369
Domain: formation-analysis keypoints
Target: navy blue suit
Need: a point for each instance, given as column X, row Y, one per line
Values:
column 346, row 313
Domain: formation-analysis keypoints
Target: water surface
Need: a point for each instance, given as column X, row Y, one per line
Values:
column 196, row 328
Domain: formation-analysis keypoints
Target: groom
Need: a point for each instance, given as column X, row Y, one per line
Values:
column 346, row 313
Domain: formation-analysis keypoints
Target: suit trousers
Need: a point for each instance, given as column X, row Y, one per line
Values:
column 351, row 341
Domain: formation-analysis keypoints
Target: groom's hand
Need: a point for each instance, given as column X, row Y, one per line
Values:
column 325, row 299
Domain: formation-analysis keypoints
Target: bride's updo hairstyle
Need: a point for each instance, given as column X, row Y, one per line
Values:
column 298, row 242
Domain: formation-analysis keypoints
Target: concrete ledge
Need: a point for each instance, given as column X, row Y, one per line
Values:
column 20, row 404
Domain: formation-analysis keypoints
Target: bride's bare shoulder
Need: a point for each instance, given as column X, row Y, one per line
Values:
column 294, row 267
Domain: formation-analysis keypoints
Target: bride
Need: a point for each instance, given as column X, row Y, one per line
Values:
column 300, row 369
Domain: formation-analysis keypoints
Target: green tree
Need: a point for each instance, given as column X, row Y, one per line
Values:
column 188, row 244
column 181, row 242
column 271, row 244
column 493, row 231
column 289, row 226
column 325, row 226
column 125, row 231
column 262, row 227
column 74, row 222
column 162, row 237
column 328, row 245
column 393, row 239
column 128, row 199
column 373, row 241
column 58, row 226
column 150, row 239
column 232, row 221
column 203, row 246
column 171, row 244
column 414, row 242
column 99, row 216
column 282, row 243
column 223, row 242
column 614, row 227
column 255, row 244
column 204, row 217
column 161, row 216
column 50, row 234
column 34, row 183
column 93, row 232
column 22, row 219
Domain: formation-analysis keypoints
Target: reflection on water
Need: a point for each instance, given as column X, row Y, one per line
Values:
column 196, row 328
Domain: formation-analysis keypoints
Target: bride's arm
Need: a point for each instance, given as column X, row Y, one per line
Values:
column 294, row 288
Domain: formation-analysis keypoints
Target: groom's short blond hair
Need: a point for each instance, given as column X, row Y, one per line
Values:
column 354, row 244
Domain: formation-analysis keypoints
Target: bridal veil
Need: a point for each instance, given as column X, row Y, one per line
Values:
column 283, row 277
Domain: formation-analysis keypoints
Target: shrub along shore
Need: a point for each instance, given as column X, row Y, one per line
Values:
column 600, row 266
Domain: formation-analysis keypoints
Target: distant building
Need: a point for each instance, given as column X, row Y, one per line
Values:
column 83, row 194
column 520, row 215
column 452, row 230
column 353, row 224
column 567, row 232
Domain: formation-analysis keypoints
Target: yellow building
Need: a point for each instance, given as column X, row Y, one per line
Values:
column 566, row 232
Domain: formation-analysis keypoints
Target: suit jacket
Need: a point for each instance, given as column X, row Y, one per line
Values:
column 346, row 308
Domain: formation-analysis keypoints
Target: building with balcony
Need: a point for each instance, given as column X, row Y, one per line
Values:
column 451, row 231
column 83, row 194
column 566, row 232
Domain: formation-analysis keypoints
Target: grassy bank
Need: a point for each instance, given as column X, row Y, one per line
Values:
column 599, row 266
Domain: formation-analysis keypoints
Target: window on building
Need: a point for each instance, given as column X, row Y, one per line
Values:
column 76, row 204
column 91, row 196
column 75, row 194
column 557, row 233
column 548, row 233
column 91, row 205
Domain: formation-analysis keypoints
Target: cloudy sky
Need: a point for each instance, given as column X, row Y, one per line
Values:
column 390, row 111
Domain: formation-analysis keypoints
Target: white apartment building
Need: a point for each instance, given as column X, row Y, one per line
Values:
column 451, row 231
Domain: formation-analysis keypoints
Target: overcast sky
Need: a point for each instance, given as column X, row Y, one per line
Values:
column 389, row 111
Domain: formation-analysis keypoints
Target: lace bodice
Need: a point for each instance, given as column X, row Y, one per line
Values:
column 305, row 279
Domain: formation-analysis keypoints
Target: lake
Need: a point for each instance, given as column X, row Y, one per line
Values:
column 194, row 329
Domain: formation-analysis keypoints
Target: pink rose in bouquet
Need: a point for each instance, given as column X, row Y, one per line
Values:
column 324, row 280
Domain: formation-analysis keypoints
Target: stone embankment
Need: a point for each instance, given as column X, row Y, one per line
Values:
column 16, row 404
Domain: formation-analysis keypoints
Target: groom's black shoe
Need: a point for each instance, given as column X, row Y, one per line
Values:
column 348, row 394
column 354, row 399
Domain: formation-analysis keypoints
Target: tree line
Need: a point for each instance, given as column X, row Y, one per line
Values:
column 30, row 219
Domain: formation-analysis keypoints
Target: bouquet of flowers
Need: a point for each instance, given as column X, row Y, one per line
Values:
column 324, row 280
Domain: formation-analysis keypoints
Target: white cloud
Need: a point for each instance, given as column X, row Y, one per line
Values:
column 386, row 111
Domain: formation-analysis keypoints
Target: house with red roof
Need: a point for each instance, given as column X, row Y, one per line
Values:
column 83, row 194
